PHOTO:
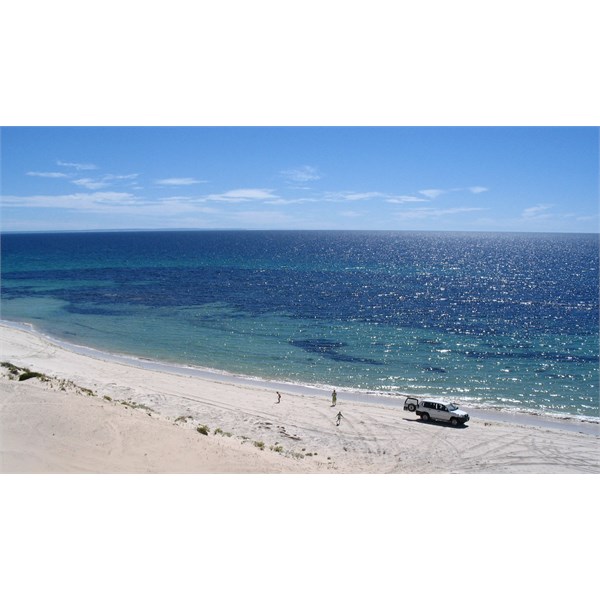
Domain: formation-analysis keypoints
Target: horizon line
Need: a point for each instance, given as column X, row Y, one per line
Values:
column 192, row 229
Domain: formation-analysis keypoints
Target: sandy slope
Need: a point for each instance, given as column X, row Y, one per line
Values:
column 140, row 420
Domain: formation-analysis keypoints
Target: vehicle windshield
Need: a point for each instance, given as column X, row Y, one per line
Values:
column 452, row 407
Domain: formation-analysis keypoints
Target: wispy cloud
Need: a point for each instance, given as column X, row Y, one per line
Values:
column 53, row 174
column 536, row 212
column 109, row 202
column 350, row 196
column 284, row 202
column 436, row 192
column 78, row 201
column 301, row 174
column 432, row 213
column 103, row 182
column 362, row 195
column 77, row 166
column 176, row 199
column 179, row 181
column 242, row 195
column 432, row 193
column 405, row 199
column 91, row 184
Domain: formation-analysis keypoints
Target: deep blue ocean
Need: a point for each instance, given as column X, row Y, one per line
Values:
column 492, row 320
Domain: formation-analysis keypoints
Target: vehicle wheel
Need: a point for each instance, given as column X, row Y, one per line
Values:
column 411, row 408
column 424, row 417
column 454, row 421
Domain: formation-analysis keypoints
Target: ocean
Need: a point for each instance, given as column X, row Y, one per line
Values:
column 506, row 321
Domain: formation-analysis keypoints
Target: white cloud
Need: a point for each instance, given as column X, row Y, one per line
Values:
column 536, row 212
column 433, row 193
column 53, row 175
column 179, row 181
column 77, row 166
column 283, row 202
column 177, row 198
column 91, row 184
column 79, row 201
column 347, row 196
column 120, row 177
column 242, row 195
column 431, row 213
column 110, row 203
column 302, row 174
column 405, row 199
column 362, row 195
column 103, row 182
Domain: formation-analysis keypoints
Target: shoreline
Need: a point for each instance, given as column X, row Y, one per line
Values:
column 87, row 414
column 566, row 421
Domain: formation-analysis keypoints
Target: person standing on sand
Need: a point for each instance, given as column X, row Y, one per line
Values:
column 278, row 398
column 333, row 398
column 339, row 418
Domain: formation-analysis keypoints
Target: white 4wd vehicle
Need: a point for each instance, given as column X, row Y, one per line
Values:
column 440, row 410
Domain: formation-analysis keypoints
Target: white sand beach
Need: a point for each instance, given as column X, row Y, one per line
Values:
column 93, row 414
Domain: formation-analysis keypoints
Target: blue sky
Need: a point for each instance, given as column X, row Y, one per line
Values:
column 396, row 178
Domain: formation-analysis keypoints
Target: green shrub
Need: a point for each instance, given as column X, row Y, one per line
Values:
column 29, row 374
column 203, row 429
column 11, row 368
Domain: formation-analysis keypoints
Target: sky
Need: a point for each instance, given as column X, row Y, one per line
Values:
column 525, row 179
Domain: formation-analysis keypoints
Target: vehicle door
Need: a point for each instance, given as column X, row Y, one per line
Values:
column 433, row 411
column 442, row 413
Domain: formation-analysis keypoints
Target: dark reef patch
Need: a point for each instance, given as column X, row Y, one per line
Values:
column 329, row 348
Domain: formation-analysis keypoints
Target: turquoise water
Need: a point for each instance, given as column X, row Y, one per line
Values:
column 492, row 320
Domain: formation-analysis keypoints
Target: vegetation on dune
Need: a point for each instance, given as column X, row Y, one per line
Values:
column 129, row 404
column 23, row 374
column 12, row 370
column 31, row 374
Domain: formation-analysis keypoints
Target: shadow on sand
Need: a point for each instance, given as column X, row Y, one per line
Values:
column 437, row 423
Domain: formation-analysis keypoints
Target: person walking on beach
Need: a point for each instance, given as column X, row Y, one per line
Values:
column 278, row 398
column 338, row 418
column 333, row 398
